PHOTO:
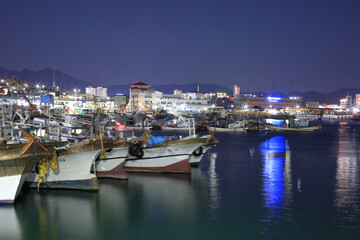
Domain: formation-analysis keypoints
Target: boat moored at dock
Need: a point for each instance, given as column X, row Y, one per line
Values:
column 74, row 167
column 16, row 162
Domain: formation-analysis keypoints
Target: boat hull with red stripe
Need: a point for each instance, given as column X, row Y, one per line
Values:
column 171, row 159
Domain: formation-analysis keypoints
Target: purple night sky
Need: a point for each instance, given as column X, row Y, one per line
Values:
column 249, row 43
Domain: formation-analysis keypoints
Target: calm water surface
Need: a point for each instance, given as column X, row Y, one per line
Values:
column 251, row 186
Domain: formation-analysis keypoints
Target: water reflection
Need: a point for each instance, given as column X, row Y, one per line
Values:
column 277, row 183
column 10, row 226
column 213, row 186
column 347, row 179
column 57, row 214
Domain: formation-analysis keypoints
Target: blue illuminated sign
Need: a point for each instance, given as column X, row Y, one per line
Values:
column 274, row 99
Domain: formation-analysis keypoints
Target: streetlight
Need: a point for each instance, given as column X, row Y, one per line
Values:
column 38, row 88
column 76, row 91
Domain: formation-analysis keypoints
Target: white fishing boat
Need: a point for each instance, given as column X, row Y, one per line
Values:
column 238, row 126
column 16, row 162
column 112, row 165
column 199, row 153
column 169, row 156
column 74, row 168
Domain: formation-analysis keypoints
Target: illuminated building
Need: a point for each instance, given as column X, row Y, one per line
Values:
column 142, row 97
column 236, row 90
column 346, row 102
column 252, row 100
column 97, row 92
column 221, row 95
column 357, row 100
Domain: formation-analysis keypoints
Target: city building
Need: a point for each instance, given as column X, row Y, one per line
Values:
column 97, row 92
column 357, row 100
column 251, row 100
column 121, row 100
column 195, row 95
column 346, row 103
column 174, row 102
column 142, row 97
column 236, row 90
column 312, row 104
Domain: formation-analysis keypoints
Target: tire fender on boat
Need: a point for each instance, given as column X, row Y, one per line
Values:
column 140, row 153
column 136, row 150
column 198, row 152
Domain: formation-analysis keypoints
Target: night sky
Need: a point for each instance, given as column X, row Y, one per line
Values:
column 250, row 43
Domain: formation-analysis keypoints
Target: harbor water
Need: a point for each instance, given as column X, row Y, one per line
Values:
column 250, row 186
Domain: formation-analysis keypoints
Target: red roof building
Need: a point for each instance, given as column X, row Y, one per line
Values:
column 140, row 85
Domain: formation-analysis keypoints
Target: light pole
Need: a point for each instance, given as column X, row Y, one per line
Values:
column 39, row 89
column 76, row 91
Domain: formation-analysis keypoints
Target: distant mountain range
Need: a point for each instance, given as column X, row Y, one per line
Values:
column 46, row 76
column 65, row 81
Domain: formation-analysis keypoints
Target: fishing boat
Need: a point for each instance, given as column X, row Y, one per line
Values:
column 341, row 116
column 198, row 154
column 16, row 163
column 170, row 156
column 293, row 125
column 112, row 165
column 237, row 126
column 74, row 167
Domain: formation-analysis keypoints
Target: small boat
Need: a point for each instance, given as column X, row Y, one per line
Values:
column 341, row 116
column 238, row 126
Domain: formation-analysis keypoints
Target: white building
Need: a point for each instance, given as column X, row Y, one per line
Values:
column 346, row 102
column 173, row 102
column 236, row 90
column 194, row 95
column 142, row 97
column 357, row 100
column 97, row 92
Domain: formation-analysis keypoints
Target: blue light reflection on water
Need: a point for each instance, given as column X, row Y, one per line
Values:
column 276, row 172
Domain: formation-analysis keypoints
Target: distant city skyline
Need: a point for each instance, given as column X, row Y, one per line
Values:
column 256, row 45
